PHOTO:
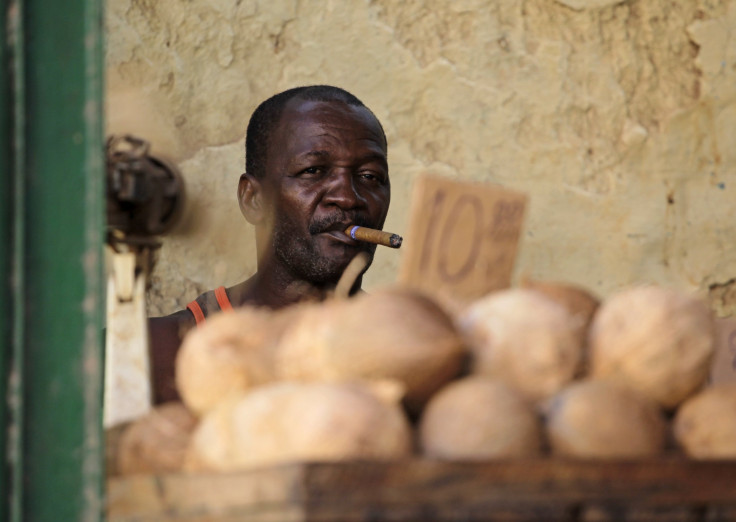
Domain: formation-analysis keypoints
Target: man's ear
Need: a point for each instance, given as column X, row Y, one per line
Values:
column 250, row 198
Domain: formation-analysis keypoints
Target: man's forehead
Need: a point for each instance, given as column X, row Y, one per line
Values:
column 300, row 116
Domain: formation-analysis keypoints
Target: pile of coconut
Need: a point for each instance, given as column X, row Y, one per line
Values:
column 542, row 369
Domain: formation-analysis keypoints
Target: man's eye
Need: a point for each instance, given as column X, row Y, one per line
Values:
column 311, row 171
column 371, row 176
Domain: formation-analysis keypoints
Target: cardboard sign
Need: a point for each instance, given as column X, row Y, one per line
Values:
column 724, row 362
column 462, row 237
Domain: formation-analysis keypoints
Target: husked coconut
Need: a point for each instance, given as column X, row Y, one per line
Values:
column 156, row 442
column 479, row 418
column 605, row 420
column 230, row 353
column 705, row 424
column 581, row 303
column 655, row 340
column 523, row 338
column 211, row 445
column 290, row 421
column 396, row 334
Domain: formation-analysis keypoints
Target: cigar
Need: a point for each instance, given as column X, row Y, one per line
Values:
column 371, row 235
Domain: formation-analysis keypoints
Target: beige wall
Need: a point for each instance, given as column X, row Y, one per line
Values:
column 618, row 118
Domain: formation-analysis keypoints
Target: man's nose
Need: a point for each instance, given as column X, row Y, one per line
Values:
column 341, row 190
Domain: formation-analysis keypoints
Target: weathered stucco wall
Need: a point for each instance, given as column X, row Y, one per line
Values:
column 618, row 118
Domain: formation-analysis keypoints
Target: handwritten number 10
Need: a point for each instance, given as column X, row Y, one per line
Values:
column 445, row 233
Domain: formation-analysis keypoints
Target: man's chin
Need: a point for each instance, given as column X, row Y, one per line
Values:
column 321, row 261
column 333, row 263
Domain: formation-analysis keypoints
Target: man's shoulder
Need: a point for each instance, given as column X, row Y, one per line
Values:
column 170, row 328
column 187, row 316
column 166, row 335
column 180, row 316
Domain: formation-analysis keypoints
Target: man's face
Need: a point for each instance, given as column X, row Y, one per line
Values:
column 326, row 169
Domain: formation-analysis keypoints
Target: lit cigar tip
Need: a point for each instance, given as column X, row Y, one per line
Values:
column 395, row 240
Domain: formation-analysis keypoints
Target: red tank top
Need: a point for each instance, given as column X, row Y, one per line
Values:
column 209, row 302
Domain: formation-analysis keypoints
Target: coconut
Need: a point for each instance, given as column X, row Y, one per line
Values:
column 604, row 420
column 230, row 353
column 656, row 340
column 156, row 442
column 290, row 421
column 705, row 424
column 525, row 339
column 581, row 304
column 479, row 418
column 395, row 334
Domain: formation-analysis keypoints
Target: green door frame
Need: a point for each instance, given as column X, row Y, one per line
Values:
column 51, row 238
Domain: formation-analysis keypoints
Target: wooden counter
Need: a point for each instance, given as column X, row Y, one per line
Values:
column 423, row 490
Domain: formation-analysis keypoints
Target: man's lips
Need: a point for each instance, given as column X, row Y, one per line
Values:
column 341, row 236
column 336, row 231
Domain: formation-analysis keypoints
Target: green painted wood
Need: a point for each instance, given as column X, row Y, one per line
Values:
column 58, row 225
column 6, row 188
column 15, row 145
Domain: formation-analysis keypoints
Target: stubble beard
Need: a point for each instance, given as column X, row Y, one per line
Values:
column 302, row 258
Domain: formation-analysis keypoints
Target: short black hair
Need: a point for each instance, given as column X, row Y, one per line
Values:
column 268, row 114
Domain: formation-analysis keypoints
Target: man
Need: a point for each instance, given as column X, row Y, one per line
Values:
column 315, row 163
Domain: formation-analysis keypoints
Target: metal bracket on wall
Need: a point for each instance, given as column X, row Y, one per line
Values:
column 144, row 199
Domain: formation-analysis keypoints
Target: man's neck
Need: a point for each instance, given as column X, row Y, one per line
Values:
column 278, row 291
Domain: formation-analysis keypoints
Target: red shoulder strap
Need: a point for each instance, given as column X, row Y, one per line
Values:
column 222, row 299
column 197, row 312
